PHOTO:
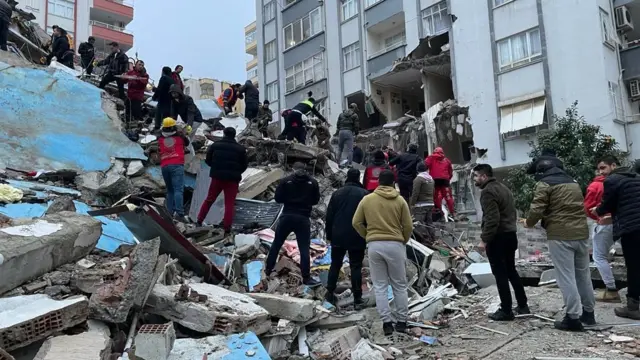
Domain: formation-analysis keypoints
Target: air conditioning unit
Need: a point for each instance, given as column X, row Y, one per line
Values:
column 623, row 19
column 634, row 88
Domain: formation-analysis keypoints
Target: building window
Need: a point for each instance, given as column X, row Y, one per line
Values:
column 395, row 40
column 616, row 101
column 250, row 37
column 269, row 12
column 302, row 29
column 351, row 56
column 523, row 115
column 607, row 32
column 321, row 106
column 349, row 9
column 62, row 8
column 252, row 73
column 368, row 3
column 435, row 19
column 272, row 91
column 497, row 3
column 270, row 51
column 519, row 49
column 304, row 73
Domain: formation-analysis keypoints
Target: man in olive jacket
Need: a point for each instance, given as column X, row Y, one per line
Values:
column 558, row 202
column 499, row 238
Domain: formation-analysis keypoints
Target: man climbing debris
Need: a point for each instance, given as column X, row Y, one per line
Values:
column 87, row 53
column 323, row 136
column 61, row 49
column 441, row 170
column 406, row 169
column 421, row 200
column 298, row 193
column 227, row 100
column 137, row 80
column 265, row 117
column 177, row 79
column 294, row 126
column 372, row 173
column 117, row 63
column 347, row 129
column 172, row 145
column 163, row 97
column 183, row 105
column 251, row 96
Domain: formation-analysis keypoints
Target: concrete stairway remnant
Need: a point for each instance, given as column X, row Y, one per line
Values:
column 94, row 344
column 31, row 248
column 30, row 318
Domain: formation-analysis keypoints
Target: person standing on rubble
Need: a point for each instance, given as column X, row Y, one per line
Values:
column 162, row 96
column 323, row 135
column 372, row 173
column 384, row 220
column 177, row 79
column 358, row 155
column 294, row 127
column 406, row 169
column 117, row 63
column 5, row 19
column 227, row 100
column 298, row 193
column 87, row 53
column 621, row 199
column 183, row 105
column 441, row 170
column 344, row 238
column 61, row 49
column 558, row 202
column 421, row 200
column 251, row 96
column 265, row 117
column 500, row 241
column 603, row 231
column 137, row 80
column 172, row 145
column 227, row 160
column 370, row 156
column 347, row 129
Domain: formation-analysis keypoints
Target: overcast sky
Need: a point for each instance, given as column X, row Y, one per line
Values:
column 205, row 36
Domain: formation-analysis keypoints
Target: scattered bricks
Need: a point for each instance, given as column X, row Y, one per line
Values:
column 286, row 307
column 94, row 344
column 30, row 318
column 154, row 342
column 336, row 344
column 224, row 312
column 112, row 302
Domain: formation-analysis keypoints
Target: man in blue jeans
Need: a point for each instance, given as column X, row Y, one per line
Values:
column 172, row 146
column 299, row 193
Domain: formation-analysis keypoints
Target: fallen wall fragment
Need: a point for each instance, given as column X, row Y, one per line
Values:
column 95, row 344
column 221, row 347
column 286, row 307
column 31, row 248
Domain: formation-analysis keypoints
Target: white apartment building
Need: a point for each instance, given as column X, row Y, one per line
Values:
column 514, row 63
column 103, row 19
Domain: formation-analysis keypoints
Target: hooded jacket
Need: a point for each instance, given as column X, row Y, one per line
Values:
column 136, row 88
column 499, row 213
column 184, row 106
column 595, row 190
column 558, row 202
column 406, row 165
column 348, row 120
column 422, row 193
column 439, row 166
column 532, row 169
column 621, row 198
column 251, row 94
column 298, row 193
column 342, row 207
column 5, row 11
column 117, row 63
column 383, row 216
column 227, row 159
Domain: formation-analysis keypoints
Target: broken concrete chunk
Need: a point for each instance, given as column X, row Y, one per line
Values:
column 236, row 346
column 112, row 302
column 256, row 184
column 336, row 344
column 334, row 322
column 94, row 344
column 31, row 248
column 30, row 318
column 155, row 341
column 135, row 168
column 109, row 183
column 286, row 307
column 62, row 203
column 224, row 312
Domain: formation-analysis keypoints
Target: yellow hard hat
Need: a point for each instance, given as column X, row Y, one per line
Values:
column 168, row 122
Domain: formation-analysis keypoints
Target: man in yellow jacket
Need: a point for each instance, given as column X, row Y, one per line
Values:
column 384, row 220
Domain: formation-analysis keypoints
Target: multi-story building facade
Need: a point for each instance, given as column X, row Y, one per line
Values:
column 251, row 48
column 103, row 19
column 514, row 63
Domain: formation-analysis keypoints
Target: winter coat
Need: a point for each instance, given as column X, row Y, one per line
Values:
column 439, row 166
column 422, row 193
column 184, row 106
column 342, row 207
column 161, row 94
column 358, row 155
column 558, row 202
column 136, row 88
column 227, row 159
column 406, row 166
column 117, row 63
column 251, row 94
column 499, row 213
column 592, row 199
column 305, row 107
column 322, row 133
column 532, row 169
column 299, row 193
column 5, row 11
column 372, row 173
column 383, row 216
column 349, row 120
column 177, row 80
column 60, row 48
column 87, row 52
column 621, row 198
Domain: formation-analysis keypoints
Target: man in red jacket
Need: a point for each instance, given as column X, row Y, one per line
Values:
column 372, row 172
column 137, row 80
column 172, row 145
column 602, row 234
column 177, row 78
column 441, row 171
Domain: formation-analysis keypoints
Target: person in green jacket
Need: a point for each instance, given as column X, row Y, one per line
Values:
column 558, row 202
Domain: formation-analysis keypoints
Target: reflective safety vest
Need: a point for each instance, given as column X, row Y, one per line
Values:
column 221, row 97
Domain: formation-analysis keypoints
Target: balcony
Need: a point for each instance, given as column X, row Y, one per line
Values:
column 630, row 59
column 380, row 62
column 251, row 43
column 250, row 28
column 382, row 11
column 112, row 11
column 106, row 33
column 252, row 63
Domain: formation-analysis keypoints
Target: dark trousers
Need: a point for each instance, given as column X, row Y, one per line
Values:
column 299, row 133
column 631, row 248
column 251, row 111
column 301, row 226
column 87, row 65
column 4, row 34
column 109, row 77
column 162, row 111
column 405, row 186
column 355, row 264
column 132, row 110
column 501, row 252
column 67, row 60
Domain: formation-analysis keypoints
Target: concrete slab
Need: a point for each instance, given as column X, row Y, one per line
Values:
column 32, row 248
column 286, row 307
column 232, row 347
column 30, row 318
column 255, row 185
column 337, row 322
column 481, row 274
column 224, row 311
column 94, row 344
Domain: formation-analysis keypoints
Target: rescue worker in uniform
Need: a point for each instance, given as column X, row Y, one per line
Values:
column 293, row 124
column 373, row 171
column 227, row 100
column 172, row 145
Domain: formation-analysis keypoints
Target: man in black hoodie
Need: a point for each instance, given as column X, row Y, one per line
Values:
column 184, row 106
column 299, row 193
column 5, row 19
column 162, row 96
column 117, row 63
column 60, row 48
column 546, row 154
column 251, row 96
column 344, row 238
column 621, row 199
column 406, row 170
column 87, row 54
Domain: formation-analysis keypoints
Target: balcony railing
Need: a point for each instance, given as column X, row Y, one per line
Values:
column 388, row 48
column 123, row 2
column 109, row 26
